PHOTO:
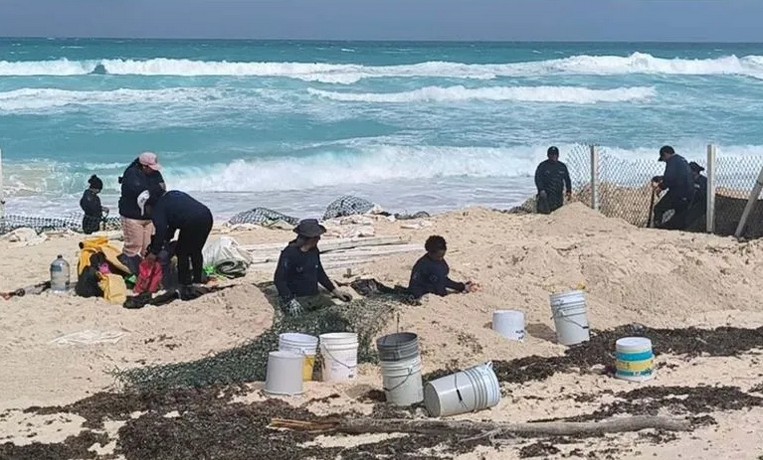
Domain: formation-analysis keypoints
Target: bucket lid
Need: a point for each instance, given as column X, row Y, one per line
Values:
column 633, row 344
column 298, row 337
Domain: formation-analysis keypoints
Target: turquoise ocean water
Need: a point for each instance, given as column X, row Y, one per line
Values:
column 291, row 125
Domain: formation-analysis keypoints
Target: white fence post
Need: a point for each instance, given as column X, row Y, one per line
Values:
column 2, row 193
column 711, row 173
column 754, row 194
column 594, row 177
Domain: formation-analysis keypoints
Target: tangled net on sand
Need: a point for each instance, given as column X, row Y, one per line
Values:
column 246, row 363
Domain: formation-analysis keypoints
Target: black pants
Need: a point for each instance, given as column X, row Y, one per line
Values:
column 695, row 216
column 91, row 224
column 680, row 207
column 549, row 204
column 190, row 244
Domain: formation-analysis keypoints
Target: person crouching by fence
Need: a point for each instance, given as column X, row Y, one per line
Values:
column 551, row 179
column 172, row 211
column 678, row 182
column 91, row 206
column 300, row 271
column 430, row 273
column 142, row 174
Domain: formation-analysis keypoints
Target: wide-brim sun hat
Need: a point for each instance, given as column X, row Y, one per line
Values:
column 309, row 228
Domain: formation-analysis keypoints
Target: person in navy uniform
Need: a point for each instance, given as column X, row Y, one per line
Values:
column 698, row 207
column 430, row 274
column 552, row 179
column 678, row 182
column 299, row 272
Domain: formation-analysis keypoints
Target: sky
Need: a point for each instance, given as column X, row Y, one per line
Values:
column 498, row 20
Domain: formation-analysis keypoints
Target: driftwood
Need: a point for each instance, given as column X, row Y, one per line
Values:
column 492, row 429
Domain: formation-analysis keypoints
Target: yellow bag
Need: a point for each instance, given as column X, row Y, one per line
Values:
column 114, row 288
column 95, row 245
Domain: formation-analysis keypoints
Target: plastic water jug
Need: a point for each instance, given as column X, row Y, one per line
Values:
column 59, row 275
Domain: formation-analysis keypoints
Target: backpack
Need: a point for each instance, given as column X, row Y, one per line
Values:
column 101, row 245
column 149, row 278
column 89, row 277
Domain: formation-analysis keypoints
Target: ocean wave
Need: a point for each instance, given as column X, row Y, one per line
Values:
column 31, row 99
column 375, row 164
column 636, row 63
column 559, row 94
column 359, row 163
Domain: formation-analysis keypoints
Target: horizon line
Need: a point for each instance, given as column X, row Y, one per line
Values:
column 375, row 40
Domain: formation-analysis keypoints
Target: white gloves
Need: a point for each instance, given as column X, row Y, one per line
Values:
column 294, row 308
column 341, row 295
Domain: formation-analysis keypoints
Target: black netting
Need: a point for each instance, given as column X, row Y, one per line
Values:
column 347, row 206
column 73, row 222
column 248, row 362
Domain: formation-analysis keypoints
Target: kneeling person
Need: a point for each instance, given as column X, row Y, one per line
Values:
column 172, row 211
column 300, row 271
column 430, row 274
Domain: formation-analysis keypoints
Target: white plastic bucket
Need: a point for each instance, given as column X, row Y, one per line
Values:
column 634, row 359
column 471, row 390
column 301, row 343
column 565, row 298
column 570, row 318
column 510, row 324
column 402, row 381
column 284, row 374
column 339, row 351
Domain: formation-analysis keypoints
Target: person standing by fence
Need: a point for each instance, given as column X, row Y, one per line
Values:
column 698, row 207
column 91, row 206
column 552, row 178
column 678, row 182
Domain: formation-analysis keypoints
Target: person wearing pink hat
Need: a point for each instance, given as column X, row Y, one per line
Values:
column 141, row 175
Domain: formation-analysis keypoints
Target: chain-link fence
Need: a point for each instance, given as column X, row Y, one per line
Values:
column 623, row 190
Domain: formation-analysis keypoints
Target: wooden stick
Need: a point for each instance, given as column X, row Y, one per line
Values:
column 346, row 254
column 464, row 427
column 335, row 243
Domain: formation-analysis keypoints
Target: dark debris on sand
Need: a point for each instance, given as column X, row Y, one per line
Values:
column 72, row 447
column 205, row 423
column 599, row 351
column 538, row 449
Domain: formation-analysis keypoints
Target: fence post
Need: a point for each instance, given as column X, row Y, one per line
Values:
column 594, row 177
column 751, row 201
column 2, row 193
column 711, row 172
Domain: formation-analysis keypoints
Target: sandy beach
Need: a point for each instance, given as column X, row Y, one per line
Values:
column 659, row 279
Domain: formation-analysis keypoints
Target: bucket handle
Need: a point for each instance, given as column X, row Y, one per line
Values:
column 564, row 318
column 410, row 373
column 336, row 360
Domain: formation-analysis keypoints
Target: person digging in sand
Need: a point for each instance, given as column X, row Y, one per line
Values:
column 678, row 182
column 430, row 273
column 299, row 272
